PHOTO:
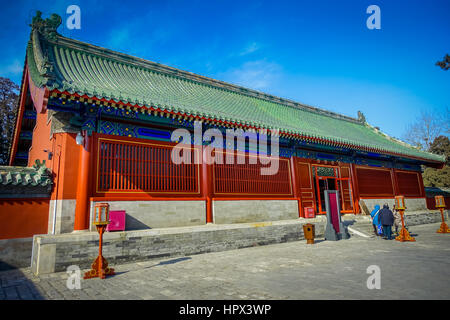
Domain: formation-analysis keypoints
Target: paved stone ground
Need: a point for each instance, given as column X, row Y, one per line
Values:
column 294, row 270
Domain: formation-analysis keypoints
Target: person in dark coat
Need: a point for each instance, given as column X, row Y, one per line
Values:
column 386, row 219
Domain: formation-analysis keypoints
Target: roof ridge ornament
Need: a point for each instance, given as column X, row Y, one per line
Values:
column 361, row 117
column 40, row 168
column 48, row 27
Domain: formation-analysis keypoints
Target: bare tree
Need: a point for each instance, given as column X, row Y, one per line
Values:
column 427, row 127
column 446, row 121
column 445, row 63
column 8, row 105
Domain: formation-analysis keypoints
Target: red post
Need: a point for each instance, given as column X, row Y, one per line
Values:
column 400, row 207
column 440, row 203
column 207, row 185
column 294, row 180
column 404, row 234
column 421, row 186
column 355, row 189
column 101, row 273
column 444, row 227
column 82, row 196
column 100, row 267
column 395, row 182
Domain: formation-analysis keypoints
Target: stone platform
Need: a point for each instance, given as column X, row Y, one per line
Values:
column 287, row 271
column 53, row 253
column 412, row 218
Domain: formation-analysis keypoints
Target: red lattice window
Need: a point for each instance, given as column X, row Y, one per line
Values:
column 408, row 183
column 246, row 179
column 374, row 182
column 128, row 166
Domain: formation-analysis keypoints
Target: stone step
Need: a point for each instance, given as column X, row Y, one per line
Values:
column 360, row 227
column 360, row 233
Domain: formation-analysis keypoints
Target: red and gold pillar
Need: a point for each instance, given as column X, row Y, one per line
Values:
column 82, row 195
column 395, row 182
column 207, row 184
column 355, row 189
column 295, row 191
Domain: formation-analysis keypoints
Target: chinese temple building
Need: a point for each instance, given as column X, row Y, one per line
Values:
column 103, row 120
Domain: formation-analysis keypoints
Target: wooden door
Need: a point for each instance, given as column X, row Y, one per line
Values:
column 345, row 190
column 306, row 191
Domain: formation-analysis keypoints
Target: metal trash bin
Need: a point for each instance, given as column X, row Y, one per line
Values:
column 309, row 232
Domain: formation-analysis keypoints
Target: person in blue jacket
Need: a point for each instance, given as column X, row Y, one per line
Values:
column 375, row 223
column 386, row 218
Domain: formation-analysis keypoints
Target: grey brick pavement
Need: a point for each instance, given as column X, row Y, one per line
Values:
column 293, row 270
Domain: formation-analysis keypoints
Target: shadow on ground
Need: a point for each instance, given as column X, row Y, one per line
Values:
column 14, row 284
column 162, row 263
column 172, row 261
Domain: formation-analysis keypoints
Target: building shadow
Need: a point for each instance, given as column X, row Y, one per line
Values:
column 6, row 266
column 161, row 263
column 15, row 285
column 318, row 241
column 347, row 223
column 172, row 261
column 132, row 223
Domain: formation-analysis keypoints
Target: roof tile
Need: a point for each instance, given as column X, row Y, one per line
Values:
column 85, row 69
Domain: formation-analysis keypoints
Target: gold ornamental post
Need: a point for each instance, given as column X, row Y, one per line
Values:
column 400, row 207
column 100, row 266
column 440, row 203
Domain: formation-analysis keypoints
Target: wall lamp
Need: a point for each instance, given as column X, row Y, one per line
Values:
column 79, row 139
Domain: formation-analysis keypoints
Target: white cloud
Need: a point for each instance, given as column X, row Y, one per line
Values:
column 258, row 75
column 252, row 47
column 135, row 39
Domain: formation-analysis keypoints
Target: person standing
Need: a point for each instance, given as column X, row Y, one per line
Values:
column 375, row 223
column 386, row 218
column 397, row 221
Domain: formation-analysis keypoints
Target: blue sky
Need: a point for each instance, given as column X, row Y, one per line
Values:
column 316, row 52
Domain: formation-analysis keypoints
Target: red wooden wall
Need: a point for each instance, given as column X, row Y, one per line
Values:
column 130, row 168
column 384, row 182
column 410, row 183
column 246, row 179
column 23, row 218
column 374, row 182
column 138, row 168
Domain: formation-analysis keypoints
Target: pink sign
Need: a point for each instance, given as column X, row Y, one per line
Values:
column 117, row 221
column 334, row 211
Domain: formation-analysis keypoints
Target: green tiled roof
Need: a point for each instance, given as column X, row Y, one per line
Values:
column 435, row 191
column 37, row 175
column 76, row 67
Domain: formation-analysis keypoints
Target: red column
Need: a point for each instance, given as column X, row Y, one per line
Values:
column 421, row 185
column 355, row 189
column 395, row 181
column 294, row 180
column 82, row 196
column 207, row 185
